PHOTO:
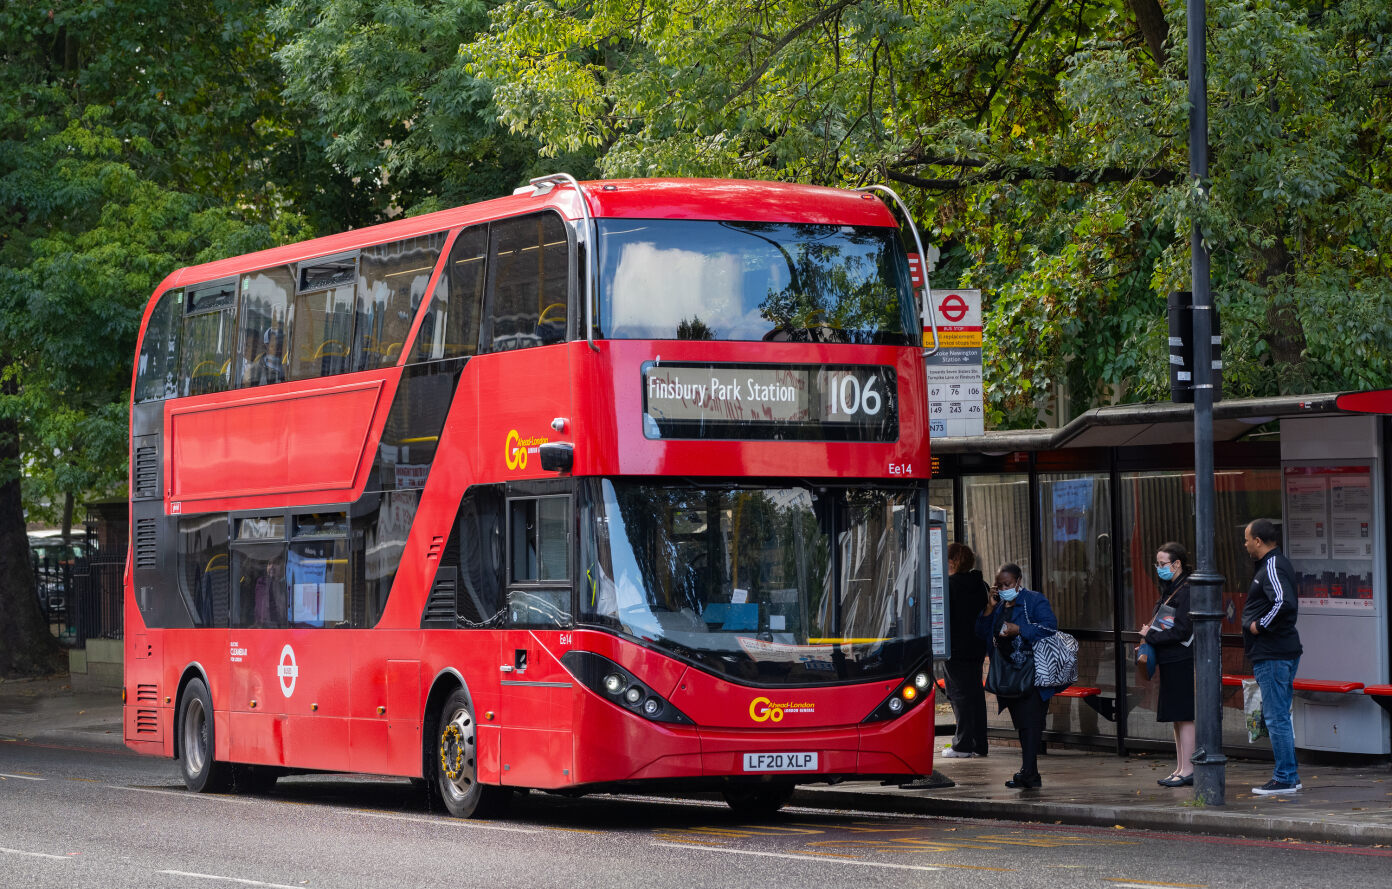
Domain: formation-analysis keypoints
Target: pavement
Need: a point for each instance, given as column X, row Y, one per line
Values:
column 1346, row 803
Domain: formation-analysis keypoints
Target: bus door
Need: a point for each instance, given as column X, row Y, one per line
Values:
column 536, row 690
column 290, row 690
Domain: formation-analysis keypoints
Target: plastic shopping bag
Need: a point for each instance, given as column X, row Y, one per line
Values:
column 1252, row 709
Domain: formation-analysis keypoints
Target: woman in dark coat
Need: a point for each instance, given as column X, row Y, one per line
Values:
column 1014, row 620
column 966, row 593
column 1174, row 658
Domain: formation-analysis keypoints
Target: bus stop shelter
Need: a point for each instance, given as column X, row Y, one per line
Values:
column 1084, row 507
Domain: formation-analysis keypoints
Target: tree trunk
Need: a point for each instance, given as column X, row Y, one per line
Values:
column 1150, row 21
column 27, row 648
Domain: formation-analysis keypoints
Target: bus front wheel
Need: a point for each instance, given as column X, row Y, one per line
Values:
column 202, row 773
column 456, row 764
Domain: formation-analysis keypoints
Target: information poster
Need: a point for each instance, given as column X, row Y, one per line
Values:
column 1329, row 536
column 956, row 403
column 937, row 594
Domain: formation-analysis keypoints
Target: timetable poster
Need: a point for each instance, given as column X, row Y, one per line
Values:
column 1329, row 536
column 937, row 594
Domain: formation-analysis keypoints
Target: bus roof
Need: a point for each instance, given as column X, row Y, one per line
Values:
column 727, row 199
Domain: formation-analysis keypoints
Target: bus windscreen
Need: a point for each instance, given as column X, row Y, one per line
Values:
column 776, row 586
column 774, row 282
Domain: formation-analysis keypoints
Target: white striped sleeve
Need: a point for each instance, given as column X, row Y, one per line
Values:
column 1278, row 595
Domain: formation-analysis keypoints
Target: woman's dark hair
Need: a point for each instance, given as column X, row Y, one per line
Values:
column 1012, row 569
column 962, row 555
column 1176, row 552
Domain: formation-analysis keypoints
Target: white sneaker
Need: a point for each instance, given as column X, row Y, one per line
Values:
column 951, row 753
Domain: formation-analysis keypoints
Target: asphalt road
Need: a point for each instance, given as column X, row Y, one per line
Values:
column 71, row 817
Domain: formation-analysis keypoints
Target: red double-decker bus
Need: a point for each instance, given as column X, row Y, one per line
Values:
column 594, row 487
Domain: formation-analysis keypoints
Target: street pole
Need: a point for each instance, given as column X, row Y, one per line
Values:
column 1210, row 780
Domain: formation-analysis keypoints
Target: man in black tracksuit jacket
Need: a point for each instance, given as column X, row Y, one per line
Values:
column 1273, row 646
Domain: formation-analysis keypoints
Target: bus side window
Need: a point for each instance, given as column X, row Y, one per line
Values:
column 481, row 558
column 322, row 339
column 209, row 327
column 528, row 283
column 203, row 569
column 379, row 538
column 264, row 325
column 539, row 561
column 157, row 374
column 257, row 575
column 450, row 328
column 392, row 279
column 317, row 578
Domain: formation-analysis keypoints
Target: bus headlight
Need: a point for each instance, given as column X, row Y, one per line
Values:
column 615, row 685
column 903, row 697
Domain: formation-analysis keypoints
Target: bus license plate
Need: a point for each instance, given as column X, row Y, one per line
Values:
column 780, row 762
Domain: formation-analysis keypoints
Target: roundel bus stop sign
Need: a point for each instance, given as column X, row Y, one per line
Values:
column 955, row 393
column 953, row 308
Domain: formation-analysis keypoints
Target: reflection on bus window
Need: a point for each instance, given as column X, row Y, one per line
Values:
column 529, row 273
column 208, row 338
column 450, row 328
column 264, row 321
column 695, row 280
column 392, row 279
column 776, row 585
column 204, row 573
column 157, row 371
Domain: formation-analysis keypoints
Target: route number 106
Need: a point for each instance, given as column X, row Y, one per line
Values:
column 847, row 395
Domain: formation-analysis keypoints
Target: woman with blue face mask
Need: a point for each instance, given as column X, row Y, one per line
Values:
column 1170, row 632
column 1014, row 620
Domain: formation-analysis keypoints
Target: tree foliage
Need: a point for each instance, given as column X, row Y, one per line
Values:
column 1043, row 143
column 394, row 102
column 134, row 138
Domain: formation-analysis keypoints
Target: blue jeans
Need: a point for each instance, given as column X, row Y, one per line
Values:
column 1275, row 677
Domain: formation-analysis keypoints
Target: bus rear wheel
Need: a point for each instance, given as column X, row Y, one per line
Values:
column 456, row 764
column 759, row 801
column 197, row 744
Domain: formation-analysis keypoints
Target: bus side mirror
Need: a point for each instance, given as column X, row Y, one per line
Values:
column 557, row 456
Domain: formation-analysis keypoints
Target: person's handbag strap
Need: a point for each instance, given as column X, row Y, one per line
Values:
column 1024, row 606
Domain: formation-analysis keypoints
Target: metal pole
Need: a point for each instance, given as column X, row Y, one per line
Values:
column 1210, row 779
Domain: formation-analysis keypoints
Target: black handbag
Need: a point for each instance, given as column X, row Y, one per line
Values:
column 1011, row 675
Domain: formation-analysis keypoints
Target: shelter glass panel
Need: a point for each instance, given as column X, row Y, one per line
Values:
column 997, row 514
column 1076, row 574
column 1157, row 507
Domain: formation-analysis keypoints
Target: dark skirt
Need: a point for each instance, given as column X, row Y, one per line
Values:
column 1176, row 692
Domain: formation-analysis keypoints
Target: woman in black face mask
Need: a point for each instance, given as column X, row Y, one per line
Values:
column 1014, row 620
column 1170, row 633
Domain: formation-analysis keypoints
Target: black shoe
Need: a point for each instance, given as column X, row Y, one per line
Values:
column 1177, row 781
column 1021, row 781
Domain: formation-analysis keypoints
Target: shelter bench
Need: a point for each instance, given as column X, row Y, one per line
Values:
column 1105, row 707
column 1322, row 686
column 1382, row 694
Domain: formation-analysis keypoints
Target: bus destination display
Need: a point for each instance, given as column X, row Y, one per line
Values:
column 814, row 402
